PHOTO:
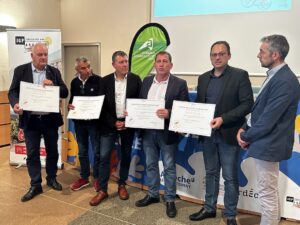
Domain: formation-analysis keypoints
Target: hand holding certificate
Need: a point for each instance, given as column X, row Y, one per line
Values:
column 39, row 98
column 86, row 107
column 141, row 113
column 192, row 118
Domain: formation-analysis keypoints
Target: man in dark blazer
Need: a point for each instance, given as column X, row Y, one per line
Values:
column 118, row 86
column 86, row 84
column 162, row 86
column 230, row 89
column 37, row 124
column 268, row 134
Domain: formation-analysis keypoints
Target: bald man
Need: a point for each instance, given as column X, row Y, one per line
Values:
column 38, row 124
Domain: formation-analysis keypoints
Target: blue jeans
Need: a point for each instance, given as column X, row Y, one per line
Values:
column 153, row 145
column 216, row 156
column 84, row 131
column 107, row 145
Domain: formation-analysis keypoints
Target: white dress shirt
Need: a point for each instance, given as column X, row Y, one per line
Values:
column 120, row 96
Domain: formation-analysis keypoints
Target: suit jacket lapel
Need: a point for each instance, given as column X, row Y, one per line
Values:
column 49, row 74
column 112, row 92
column 128, row 85
column 285, row 67
column 169, row 87
column 226, row 79
column 29, row 74
column 147, row 87
column 205, row 82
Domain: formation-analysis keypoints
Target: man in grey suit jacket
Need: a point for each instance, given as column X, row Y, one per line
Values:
column 162, row 86
column 230, row 89
column 269, row 132
column 37, row 124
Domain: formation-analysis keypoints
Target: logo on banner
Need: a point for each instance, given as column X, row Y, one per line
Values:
column 249, row 193
column 289, row 199
column 149, row 40
column 184, row 181
column 147, row 44
column 30, row 42
column 19, row 40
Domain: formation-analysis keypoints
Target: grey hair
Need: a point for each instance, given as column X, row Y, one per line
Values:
column 277, row 43
column 81, row 59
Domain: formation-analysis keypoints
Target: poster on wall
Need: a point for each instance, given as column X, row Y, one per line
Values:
column 20, row 42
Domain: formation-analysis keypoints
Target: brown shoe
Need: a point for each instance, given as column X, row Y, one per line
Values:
column 98, row 198
column 123, row 194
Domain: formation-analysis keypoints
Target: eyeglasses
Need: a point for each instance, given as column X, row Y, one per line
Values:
column 220, row 54
column 82, row 91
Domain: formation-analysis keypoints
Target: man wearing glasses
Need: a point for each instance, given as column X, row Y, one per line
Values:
column 230, row 89
column 86, row 84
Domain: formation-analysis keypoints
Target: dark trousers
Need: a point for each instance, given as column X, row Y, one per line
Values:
column 85, row 131
column 38, row 127
column 107, row 144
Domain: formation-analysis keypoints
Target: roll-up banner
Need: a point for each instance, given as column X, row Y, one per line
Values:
column 20, row 42
column 149, row 40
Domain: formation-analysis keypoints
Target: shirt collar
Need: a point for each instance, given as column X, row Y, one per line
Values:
column 115, row 76
column 78, row 75
column 213, row 75
column 162, row 82
column 36, row 70
column 273, row 71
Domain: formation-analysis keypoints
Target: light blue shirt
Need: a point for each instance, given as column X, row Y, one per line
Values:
column 38, row 75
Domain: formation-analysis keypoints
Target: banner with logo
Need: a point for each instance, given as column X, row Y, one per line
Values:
column 20, row 42
column 149, row 40
column 191, row 174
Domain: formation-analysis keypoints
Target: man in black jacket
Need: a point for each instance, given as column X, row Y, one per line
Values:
column 118, row 86
column 167, row 87
column 86, row 84
column 37, row 124
column 230, row 89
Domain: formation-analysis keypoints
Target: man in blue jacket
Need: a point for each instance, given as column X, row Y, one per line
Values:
column 269, row 132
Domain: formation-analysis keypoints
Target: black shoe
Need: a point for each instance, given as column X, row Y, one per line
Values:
column 202, row 214
column 171, row 209
column 231, row 222
column 33, row 191
column 54, row 184
column 146, row 201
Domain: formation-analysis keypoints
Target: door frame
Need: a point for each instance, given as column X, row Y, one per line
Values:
column 98, row 44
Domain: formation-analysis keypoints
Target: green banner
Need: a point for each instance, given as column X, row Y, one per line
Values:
column 148, row 41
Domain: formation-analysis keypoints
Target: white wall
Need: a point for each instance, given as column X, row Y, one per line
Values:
column 36, row 14
column 192, row 36
column 113, row 23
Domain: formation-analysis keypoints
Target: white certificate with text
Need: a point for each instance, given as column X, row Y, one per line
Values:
column 192, row 118
column 86, row 107
column 39, row 98
column 141, row 113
